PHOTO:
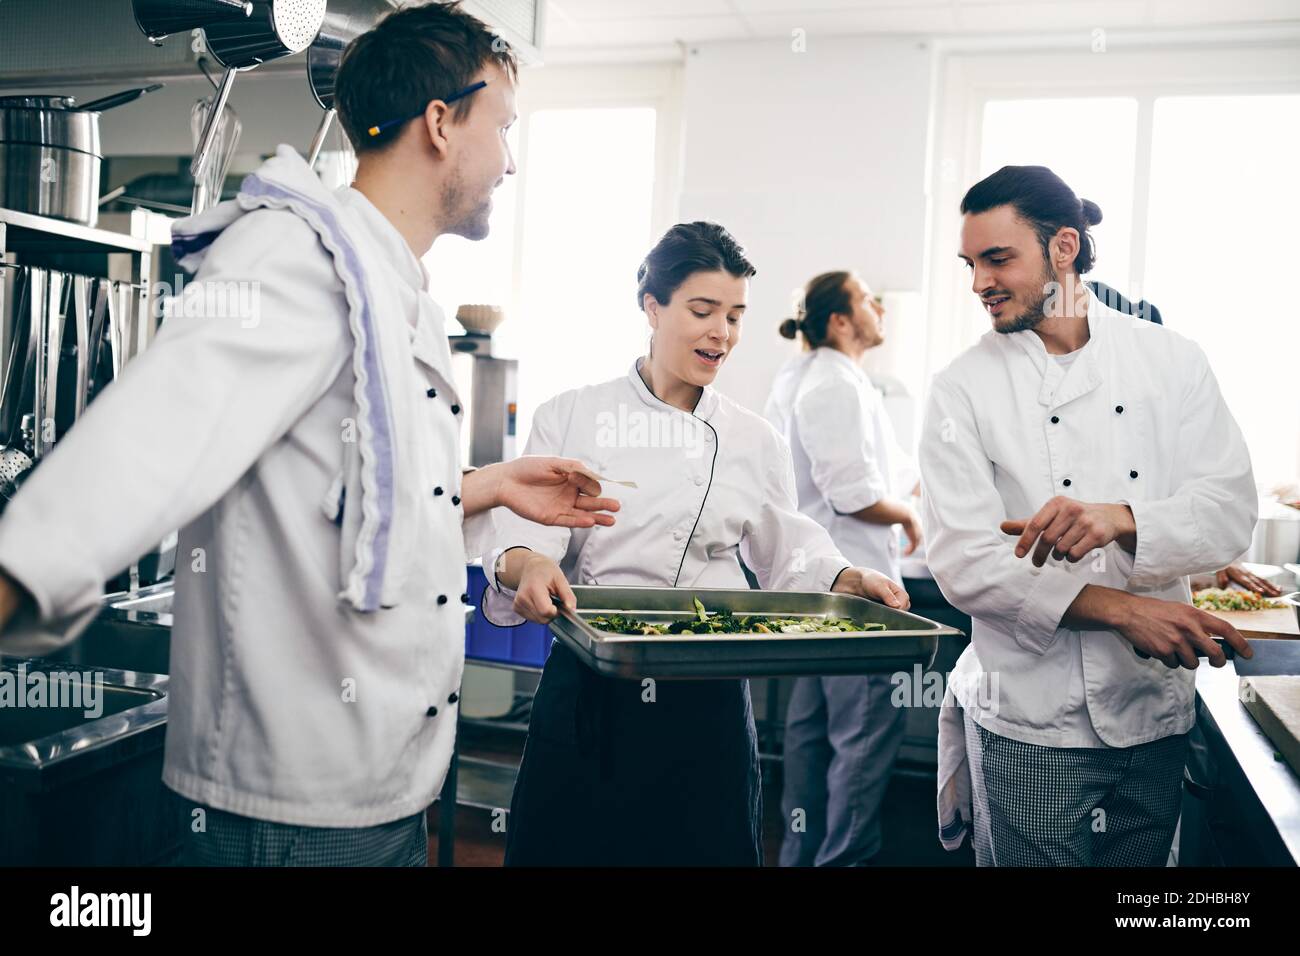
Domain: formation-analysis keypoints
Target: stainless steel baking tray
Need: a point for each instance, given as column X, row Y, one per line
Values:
column 908, row 640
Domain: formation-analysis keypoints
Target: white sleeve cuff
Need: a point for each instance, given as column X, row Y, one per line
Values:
column 824, row 571
column 498, row 603
column 853, row 499
column 1050, row 596
column 498, row 607
column 1158, row 550
column 480, row 531
column 64, row 584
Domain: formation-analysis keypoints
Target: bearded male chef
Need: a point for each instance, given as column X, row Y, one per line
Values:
column 309, row 451
column 1077, row 465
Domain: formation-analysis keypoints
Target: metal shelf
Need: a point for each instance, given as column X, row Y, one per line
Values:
column 21, row 231
column 484, row 784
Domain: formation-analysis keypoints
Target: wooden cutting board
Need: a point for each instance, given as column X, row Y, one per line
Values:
column 1272, row 622
column 1274, row 702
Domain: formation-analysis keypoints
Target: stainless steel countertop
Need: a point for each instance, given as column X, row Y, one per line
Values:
column 150, row 606
column 1275, row 784
column 97, row 737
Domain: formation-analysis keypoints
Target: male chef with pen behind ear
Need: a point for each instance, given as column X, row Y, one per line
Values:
column 310, row 455
column 1076, row 465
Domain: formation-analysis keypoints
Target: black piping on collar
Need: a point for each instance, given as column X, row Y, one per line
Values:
column 703, row 501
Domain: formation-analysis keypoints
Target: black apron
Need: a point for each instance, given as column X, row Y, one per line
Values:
column 611, row 779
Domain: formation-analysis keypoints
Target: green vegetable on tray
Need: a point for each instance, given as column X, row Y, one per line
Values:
column 724, row 622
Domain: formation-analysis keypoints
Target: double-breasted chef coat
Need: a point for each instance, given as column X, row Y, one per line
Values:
column 285, row 704
column 1136, row 417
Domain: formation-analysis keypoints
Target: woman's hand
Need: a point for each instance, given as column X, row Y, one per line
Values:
column 872, row 584
column 540, row 578
column 550, row 491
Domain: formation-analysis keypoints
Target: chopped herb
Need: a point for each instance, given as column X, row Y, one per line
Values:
column 725, row 622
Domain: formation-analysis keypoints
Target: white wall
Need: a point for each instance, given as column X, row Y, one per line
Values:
column 815, row 161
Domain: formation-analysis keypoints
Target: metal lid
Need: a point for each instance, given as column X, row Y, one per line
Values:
column 344, row 21
column 38, row 102
column 55, row 127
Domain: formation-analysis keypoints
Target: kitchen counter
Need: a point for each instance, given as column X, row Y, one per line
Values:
column 1259, row 792
column 79, row 790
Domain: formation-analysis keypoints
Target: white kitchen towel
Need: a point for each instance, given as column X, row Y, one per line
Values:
column 378, row 467
column 954, row 796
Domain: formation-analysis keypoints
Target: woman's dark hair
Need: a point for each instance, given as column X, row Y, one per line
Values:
column 1042, row 199
column 414, row 56
column 685, row 249
column 824, row 295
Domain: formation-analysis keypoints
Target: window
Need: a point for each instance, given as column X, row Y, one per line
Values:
column 595, row 148
column 1224, row 200
column 462, row 271
column 1190, row 153
column 587, row 224
column 1097, row 161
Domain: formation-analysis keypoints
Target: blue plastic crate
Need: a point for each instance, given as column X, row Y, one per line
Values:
column 526, row 645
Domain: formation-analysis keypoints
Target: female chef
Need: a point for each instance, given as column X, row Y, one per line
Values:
column 637, row 772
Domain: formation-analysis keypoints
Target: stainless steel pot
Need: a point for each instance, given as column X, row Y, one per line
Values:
column 49, row 158
column 160, row 18
column 344, row 22
column 50, row 154
column 274, row 29
column 1277, row 535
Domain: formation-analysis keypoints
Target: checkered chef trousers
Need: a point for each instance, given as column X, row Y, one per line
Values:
column 1073, row 806
column 232, row 840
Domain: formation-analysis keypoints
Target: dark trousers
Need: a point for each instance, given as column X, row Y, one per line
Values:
column 622, row 773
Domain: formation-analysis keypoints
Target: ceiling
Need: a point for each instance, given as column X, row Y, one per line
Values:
column 587, row 24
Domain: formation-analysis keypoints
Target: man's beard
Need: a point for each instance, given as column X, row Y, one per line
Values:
column 865, row 337
column 1032, row 316
column 476, row 225
column 473, row 224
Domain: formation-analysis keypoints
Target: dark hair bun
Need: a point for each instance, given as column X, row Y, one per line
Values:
column 1091, row 211
column 789, row 329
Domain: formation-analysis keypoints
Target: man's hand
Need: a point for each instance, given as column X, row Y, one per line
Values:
column 539, row 579
column 550, row 491
column 1236, row 574
column 1069, row 530
column 912, row 528
column 872, row 584
column 1172, row 632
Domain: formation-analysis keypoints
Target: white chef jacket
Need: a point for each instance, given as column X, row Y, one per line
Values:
column 285, row 704
column 1136, row 418
column 712, row 487
column 846, row 457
